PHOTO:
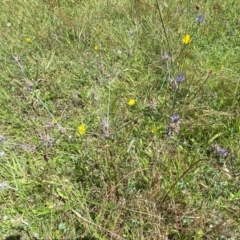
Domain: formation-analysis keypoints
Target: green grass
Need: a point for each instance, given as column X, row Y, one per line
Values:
column 134, row 174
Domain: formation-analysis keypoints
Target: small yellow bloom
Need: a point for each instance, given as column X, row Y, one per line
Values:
column 187, row 39
column 81, row 130
column 154, row 129
column 96, row 48
column 28, row 39
column 222, row 67
column 131, row 102
column 54, row 121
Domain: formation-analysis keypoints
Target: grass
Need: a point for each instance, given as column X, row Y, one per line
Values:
column 155, row 157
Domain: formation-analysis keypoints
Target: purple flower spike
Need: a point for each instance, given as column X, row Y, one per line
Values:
column 180, row 78
column 200, row 19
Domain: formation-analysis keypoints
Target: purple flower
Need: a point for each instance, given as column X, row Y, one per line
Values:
column 175, row 119
column 174, row 125
column 200, row 19
column 180, row 78
column 221, row 151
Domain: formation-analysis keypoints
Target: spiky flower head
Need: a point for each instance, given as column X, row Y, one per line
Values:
column 175, row 119
column 221, row 151
column 200, row 19
column 180, row 78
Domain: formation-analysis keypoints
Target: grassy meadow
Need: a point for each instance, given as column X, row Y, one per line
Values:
column 119, row 119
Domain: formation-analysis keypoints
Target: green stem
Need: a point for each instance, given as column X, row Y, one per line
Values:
column 181, row 176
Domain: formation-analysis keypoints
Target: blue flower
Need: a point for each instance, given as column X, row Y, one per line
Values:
column 221, row 151
column 180, row 78
column 200, row 19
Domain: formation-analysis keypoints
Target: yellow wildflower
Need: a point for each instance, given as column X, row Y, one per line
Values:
column 187, row 39
column 222, row 67
column 96, row 48
column 28, row 39
column 154, row 129
column 54, row 121
column 81, row 130
column 131, row 102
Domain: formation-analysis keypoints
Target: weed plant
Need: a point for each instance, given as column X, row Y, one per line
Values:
column 119, row 119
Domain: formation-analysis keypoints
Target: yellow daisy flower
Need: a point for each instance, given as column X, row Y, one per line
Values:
column 154, row 129
column 81, row 130
column 187, row 39
column 131, row 102
column 28, row 39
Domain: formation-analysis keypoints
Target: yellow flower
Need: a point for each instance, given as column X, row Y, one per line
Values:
column 154, row 129
column 28, row 39
column 222, row 67
column 81, row 130
column 187, row 39
column 96, row 48
column 131, row 102
column 54, row 121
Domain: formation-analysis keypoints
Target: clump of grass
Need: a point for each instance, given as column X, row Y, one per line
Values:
column 119, row 120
